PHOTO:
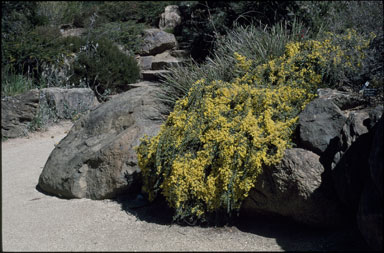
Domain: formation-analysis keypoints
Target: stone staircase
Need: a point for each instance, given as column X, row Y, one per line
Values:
column 160, row 52
column 154, row 66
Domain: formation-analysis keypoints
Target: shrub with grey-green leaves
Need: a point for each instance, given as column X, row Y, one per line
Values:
column 101, row 66
column 127, row 34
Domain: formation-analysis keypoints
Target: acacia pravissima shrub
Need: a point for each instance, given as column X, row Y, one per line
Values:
column 212, row 147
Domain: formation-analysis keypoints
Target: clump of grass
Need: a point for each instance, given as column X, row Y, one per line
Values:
column 258, row 43
column 13, row 84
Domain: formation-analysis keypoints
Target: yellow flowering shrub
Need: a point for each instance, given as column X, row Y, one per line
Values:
column 329, row 61
column 211, row 149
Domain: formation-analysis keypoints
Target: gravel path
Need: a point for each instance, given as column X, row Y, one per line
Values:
column 33, row 221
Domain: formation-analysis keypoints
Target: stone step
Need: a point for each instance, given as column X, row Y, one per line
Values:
column 183, row 45
column 143, row 83
column 153, row 75
column 180, row 53
column 145, row 62
column 165, row 63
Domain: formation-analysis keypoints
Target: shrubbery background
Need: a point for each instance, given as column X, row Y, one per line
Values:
column 33, row 50
column 30, row 29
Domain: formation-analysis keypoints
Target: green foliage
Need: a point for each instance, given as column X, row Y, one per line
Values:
column 347, row 64
column 258, row 43
column 26, row 53
column 101, row 66
column 44, row 116
column 71, row 44
column 83, row 18
column 59, row 12
column 13, row 84
column 204, row 21
column 127, row 34
column 147, row 12
column 76, row 13
column 337, row 16
column 47, row 113
column 373, row 65
column 18, row 17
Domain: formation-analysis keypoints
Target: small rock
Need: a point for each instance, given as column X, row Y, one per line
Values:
column 170, row 18
column 157, row 41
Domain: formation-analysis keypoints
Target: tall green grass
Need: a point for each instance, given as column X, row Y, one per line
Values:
column 256, row 42
column 13, row 84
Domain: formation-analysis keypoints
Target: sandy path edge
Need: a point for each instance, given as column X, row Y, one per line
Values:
column 33, row 221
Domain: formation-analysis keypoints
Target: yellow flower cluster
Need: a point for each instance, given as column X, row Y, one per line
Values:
column 305, row 64
column 242, row 62
column 219, row 137
column 214, row 150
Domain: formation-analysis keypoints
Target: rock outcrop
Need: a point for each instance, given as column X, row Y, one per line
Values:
column 336, row 182
column 165, row 60
column 349, row 155
column 337, row 127
column 66, row 102
column 158, row 54
column 19, row 111
column 370, row 210
column 319, row 123
column 350, row 144
column 170, row 18
column 157, row 41
column 376, row 158
column 294, row 189
column 97, row 159
column 154, row 66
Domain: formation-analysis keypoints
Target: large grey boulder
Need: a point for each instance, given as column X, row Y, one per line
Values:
column 294, row 189
column 319, row 123
column 337, row 127
column 97, row 159
column 18, row 112
column 170, row 18
column 67, row 102
column 157, row 41
column 153, row 67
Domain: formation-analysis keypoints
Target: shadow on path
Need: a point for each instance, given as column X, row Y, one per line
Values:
column 289, row 235
column 156, row 212
column 292, row 236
